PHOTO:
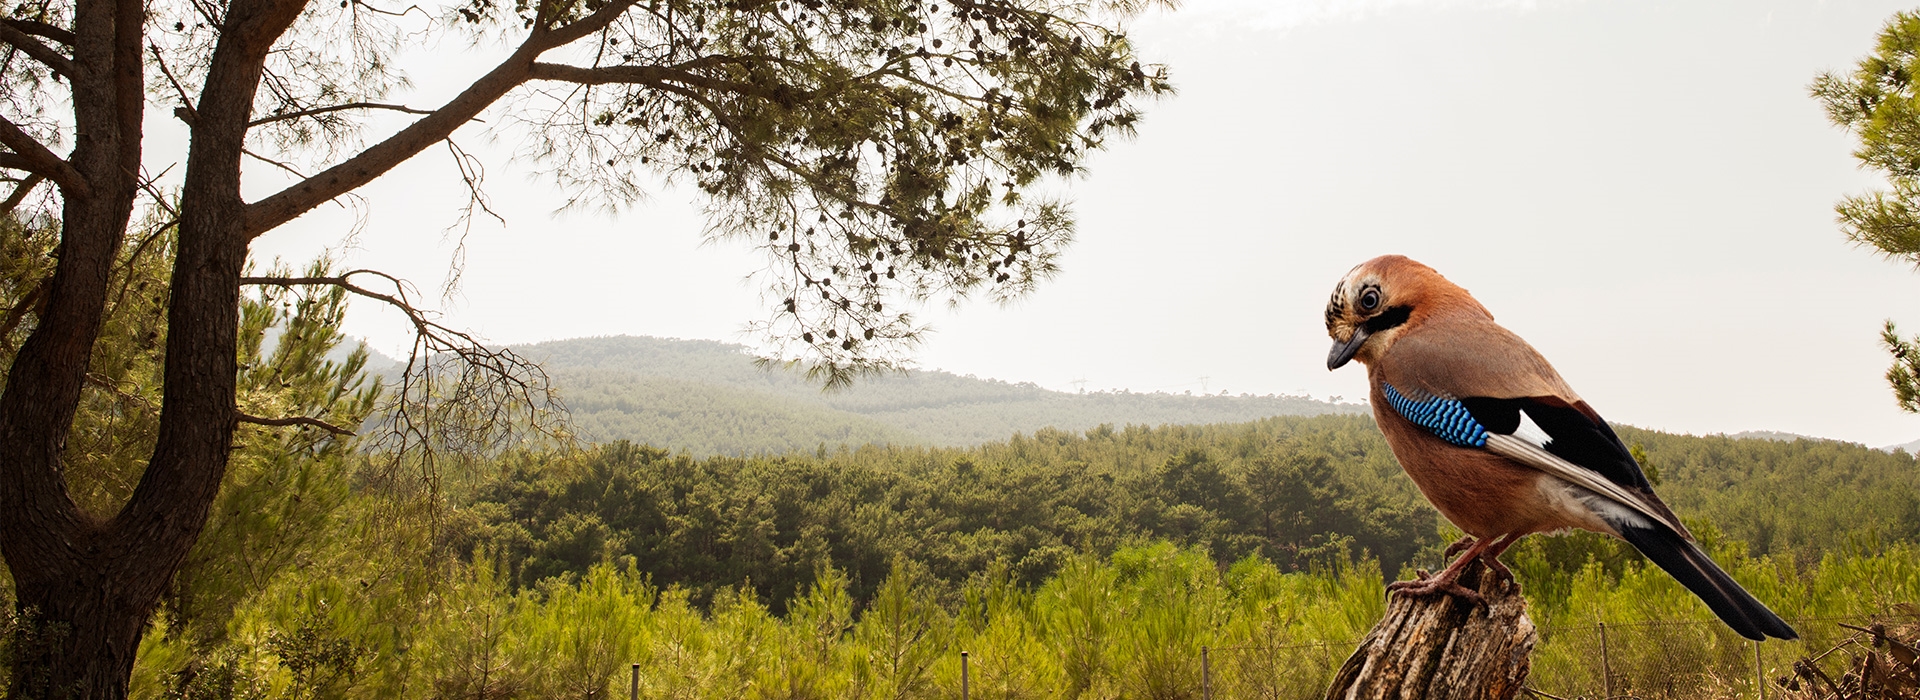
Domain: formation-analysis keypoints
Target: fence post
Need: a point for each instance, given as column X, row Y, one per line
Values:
column 1206, row 675
column 1606, row 665
column 633, row 689
column 963, row 676
column 1759, row 674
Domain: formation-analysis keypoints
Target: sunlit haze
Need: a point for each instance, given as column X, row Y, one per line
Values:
column 1643, row 190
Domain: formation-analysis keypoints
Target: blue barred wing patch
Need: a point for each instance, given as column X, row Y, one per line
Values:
column 1447, row 418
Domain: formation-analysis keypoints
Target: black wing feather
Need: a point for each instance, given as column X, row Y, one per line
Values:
column 1591, row 443
column 1691, row 567
column 1576, row 438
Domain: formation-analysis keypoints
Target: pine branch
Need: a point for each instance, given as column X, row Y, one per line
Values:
column 43, row 53
column 283, row 206
column 34, row 157
column 41, row 29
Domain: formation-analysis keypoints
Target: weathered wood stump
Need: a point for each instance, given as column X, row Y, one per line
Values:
column 1441, row 646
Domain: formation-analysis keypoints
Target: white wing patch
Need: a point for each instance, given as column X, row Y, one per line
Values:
column 1531, row 455
column 1531, row 432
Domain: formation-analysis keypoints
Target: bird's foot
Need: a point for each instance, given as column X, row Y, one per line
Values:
column 1500, row 570
column 1436, row 585
column 1458, row 546
column 1491, row 557
column 1448, row 580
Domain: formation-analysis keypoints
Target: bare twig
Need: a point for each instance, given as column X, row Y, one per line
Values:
column 146, row 183
column 103, row 382
column 474, row 176
column 133, row 258
column 185, row 110
column 490, row 393
column 336, row 108
column 272, row 162
column 390, row 13
column 294, row 420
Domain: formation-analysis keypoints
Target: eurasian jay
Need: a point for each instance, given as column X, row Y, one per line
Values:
column 1498, row 442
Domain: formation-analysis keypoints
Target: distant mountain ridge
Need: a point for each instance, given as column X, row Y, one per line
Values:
column 1777, row 436
column 708, row 397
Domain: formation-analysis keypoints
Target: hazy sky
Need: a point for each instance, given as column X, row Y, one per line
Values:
column 1642, row 189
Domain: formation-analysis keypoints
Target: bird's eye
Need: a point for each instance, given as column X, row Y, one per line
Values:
column 1370, row 300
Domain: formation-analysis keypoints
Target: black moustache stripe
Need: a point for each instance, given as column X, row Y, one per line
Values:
column 1392, row 317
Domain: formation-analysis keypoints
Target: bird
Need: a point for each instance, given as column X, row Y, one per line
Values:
column 1498, row 441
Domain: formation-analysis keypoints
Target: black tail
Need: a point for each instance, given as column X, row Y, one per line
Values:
column 1679, row 557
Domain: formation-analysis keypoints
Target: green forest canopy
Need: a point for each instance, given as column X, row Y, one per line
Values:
column 1298, row 491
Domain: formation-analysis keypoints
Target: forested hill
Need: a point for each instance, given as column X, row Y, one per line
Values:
column 708, row 397
column 1293, row 490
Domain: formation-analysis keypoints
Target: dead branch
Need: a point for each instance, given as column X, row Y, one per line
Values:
column 102, row 382
column 269, row 161
column 185, row 111
column 294, row 420
column 336, row 108
column 474, row 176
column 1881, row 664
column 455, row 393
column 657, row 76
column 397, row 300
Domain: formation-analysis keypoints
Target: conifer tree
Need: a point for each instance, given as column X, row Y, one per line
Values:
column 1880, row 104
column 288, row 473
column 879, row 152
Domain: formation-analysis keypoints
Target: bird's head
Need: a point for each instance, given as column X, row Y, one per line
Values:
column 1379, row 299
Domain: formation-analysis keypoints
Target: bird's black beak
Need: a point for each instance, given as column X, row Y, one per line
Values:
column 1342, row 352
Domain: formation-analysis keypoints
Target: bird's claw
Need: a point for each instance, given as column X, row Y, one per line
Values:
column 1458, row 546
column 1430, row 586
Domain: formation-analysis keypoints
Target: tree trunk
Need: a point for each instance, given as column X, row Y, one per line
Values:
column 1444, row 648
column 79, row 640
column 86, row 586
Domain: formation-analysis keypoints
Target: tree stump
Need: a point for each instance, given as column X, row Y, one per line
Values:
column 1442, row 647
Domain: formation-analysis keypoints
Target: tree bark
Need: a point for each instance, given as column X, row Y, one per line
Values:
column 80, row 630
column 1444, row 647
column 86, row 586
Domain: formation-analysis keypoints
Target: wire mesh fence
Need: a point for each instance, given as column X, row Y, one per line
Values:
column 1681, row 659
column 1274, row 672
column 1664, row 660
column 1642, row 660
